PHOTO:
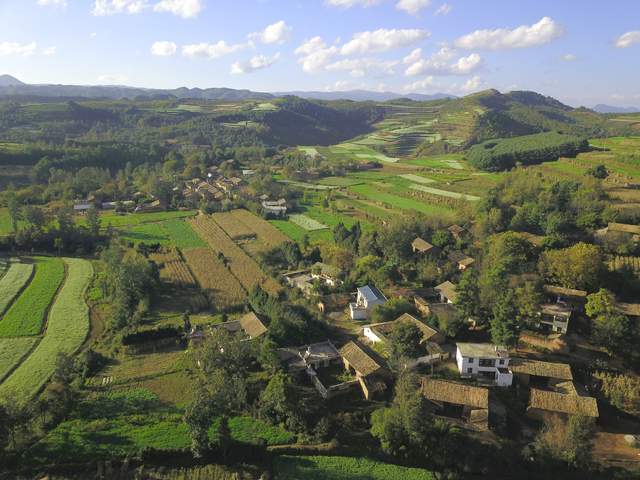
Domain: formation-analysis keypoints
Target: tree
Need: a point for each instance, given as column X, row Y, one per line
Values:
column 566, row 441
column 599, row 171
column 224, row 435
column 391, row 310
column 468, row 300
column 13, row 206
column 579, row 266
column 278, row 400
column 504, row 326
column 442, row 238
column 93, row 221
column 405, row 342
column 225, row 351
column 611, row 329
column 198, row 417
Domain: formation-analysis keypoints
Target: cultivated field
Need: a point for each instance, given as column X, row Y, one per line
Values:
column 12, row 351
column 26, row 316
column 173, row 269
column 220, row 285
column 265, row 232
column 67, row 329
column 306, row 222
column 13, row 281
column 243, row 267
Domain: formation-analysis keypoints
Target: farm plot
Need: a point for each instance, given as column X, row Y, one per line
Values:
column 416, row 178
column 27, row 314
column 181, row 234
column 234, row 228
column 264, row 230
column 243, row 267
column 395, row 201
column 307, row 223
column 444, row 193
column 173, row 269
column 12, row 351
column 67, row 329
column 17, row 276
column 214, row 278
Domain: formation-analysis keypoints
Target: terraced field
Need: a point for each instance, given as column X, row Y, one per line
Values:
column 67, row 328
column 12, row 282
column 13, row 351
column 26, row 316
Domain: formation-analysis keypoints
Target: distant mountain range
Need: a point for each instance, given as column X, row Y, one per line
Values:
column 10, row 86
column 603, row 108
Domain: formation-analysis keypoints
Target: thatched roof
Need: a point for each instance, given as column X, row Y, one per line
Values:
column 448, row 289
column 460, row 258
column 421, row 245
column 629, row 309
column 562, row 403
column 541, row 369
column 252, row 325
column 360, row 360
column 387, row 327
column 624, row 228
column 564, row 292
column 456, row 229
column 453, row 392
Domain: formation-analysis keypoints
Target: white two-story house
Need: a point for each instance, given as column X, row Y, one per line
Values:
column 484, row 361
column 367, row 298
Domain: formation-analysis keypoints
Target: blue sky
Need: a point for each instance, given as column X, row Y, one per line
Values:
column 582, row 52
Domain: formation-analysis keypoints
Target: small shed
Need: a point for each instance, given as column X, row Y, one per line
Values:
column 545, row 402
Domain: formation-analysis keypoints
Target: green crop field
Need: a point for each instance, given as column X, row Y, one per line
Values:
column 403, row 203
column 26, row 316
column 444, row 193
column 416, row 178
column 342, row 468
column 13, row 281
column 307, row 223
column 118, row 220
column 67, row 329
column 181, row 234
column 297, row 233
column 12, row 351
column 174, row 232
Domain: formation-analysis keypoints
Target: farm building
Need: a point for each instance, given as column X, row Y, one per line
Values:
column 544, row 402
column 447, row 292
column 379, row 332
column 562, row 294
column 629, row 309
column 484, row 361
column 249, row 324
column 300, row 279
column 329, row 274
column 456, row 401
column 277, row 208
column 316, row 355
column 461, row 260
column 367, row 298
column 370, row 373
column 524, row 369
column 82, row 207
column 457, row 232
column 555, row 317
column 422, row 246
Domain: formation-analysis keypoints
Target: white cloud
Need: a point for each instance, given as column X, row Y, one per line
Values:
column 164, row 48
column 472, row 85
column 443, row 9
column 211, row 50
column 49, row 51
column 421, row 85
column 545, row 31
column 93, row 34
column 628, row 39
column 112, row 7
column 441, row 63
column 363, row 66
column 52, row 3
column 315, row 54
column 352, row 3
column 569, row 57
column 412, row 7
column 382, row 40
column 112, row 79
column 278, row 33
column 257, row 62
column 180, row 8
column 14, row 48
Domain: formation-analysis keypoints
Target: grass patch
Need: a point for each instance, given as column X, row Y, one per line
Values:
column 66, row 331
column 307, row 223
column 403, row 203
column 12, row 282
column 445, row 193
column 26, row 315
column 343, row 468
column 416, row 178
column 122, row 220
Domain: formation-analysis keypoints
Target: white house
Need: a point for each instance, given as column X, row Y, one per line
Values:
column 484, row 361
column 367, row 297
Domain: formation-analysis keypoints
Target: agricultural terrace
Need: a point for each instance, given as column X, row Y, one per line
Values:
column 243, row 267
column 67, row 329
column 11, row 284
column 343, row 468
column 117, row 220
column 12, row 352
column 173, row 268
column 173, row 232
column 27, row 314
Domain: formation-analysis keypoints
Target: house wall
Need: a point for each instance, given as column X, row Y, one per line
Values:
column 371, row 335
column 357, row 313
column 466, row 363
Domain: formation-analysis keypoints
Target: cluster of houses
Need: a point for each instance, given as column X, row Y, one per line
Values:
column 141, row 202
column 215, row 187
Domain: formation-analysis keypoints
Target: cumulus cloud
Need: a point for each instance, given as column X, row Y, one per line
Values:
column 315, row 54
column 543, row 32
column 569, row 57
column 15, row 48
column 427, row 83
column 441, row 63
column 258, row 62
column 472, row 85
column 352, row 3
column 382, row 40
column 277, row 33
column 181, row 8
column 52, row 3
column 49, row 51
column 412, row 7
column 443, row 9
column 363, row 66
column 628, row 39
column 430, row 84
column 112, row 7
column 112, row 79
column 211, row 50
column 164, row 49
